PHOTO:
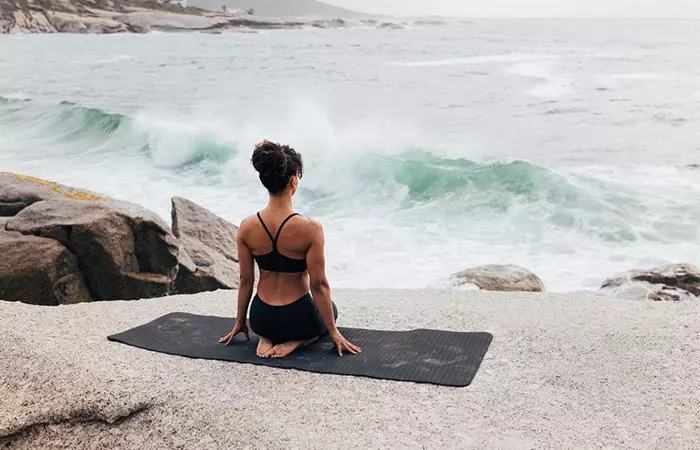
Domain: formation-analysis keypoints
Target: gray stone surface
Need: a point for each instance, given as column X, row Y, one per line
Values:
column 575, row 370
column 108, row 16
column 18, row 192
column 194, row 221
column 675, row 282
column 39, row 269
column 124, row 251
column 501, row 278
column 121, row 256
column 208, row 253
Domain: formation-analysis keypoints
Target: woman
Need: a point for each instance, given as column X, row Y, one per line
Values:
column 292, row 307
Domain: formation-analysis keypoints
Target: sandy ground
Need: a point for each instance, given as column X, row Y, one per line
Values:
column 564, row 371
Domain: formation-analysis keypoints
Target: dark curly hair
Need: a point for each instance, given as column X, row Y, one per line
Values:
column 276, row 164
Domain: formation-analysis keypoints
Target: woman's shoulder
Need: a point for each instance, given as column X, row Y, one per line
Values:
column 312, row 229
column 246, row 223
column 301, row 221
column 310, row 223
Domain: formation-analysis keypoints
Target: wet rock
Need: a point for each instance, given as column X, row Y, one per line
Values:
column 208, row 253
column 675, row 282
column 39, row 271
column 507, row 278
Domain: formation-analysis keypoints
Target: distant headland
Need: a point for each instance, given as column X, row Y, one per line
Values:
column 142, row 16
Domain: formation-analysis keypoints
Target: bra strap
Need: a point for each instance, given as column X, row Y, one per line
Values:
column 274, row 241
column 279, row 230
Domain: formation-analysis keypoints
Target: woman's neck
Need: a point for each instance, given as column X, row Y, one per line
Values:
column 280, row 203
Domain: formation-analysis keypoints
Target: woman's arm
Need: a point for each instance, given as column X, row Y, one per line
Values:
column 245, row 290
column 321, row 288
column 247, row 269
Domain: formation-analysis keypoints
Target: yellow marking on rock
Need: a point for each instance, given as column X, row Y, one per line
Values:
column 69, row 193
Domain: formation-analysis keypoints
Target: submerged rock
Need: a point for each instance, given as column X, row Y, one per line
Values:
column 675, row 282
column 508, row 278
column 208, row 253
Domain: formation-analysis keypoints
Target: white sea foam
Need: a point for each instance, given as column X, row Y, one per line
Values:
column 479, row 59
column 554, row 84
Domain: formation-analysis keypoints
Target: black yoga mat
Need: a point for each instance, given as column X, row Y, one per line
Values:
column 423, row 356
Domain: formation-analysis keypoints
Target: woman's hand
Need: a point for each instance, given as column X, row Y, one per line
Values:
column 343, row 344
column 238, row 328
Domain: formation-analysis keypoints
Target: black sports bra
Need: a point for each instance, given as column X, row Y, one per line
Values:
column 276, row 261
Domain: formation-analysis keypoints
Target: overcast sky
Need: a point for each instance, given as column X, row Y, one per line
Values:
column 530, row 8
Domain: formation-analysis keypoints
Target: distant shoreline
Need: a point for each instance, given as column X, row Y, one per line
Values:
column 144, row 20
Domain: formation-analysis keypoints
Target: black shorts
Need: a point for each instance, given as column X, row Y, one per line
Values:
column 297, row 321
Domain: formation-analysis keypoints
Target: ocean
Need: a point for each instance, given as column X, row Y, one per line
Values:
column 571, row 148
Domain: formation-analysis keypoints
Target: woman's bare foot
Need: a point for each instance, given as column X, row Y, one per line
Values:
column 287, row 348
column 264, row 347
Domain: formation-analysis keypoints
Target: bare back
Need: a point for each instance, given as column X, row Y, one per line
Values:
column 294, row 241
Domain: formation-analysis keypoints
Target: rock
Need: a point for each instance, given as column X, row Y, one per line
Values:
column 29, row 21
column 391, row 26
column 501, row 278
column 19, row 191
column 208, row 253
column 202, row 269
column 74, row 23
column 39, row 271
column 675, row 282
column 123, row 253
column 104, row 17
column 194, row 221
column 167, row 21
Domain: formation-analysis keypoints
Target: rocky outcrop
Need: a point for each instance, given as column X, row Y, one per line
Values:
column 120, row 250
column 122, row 256
column 501, row 278
column 208, row 254
column 73, row 23
column 166, row 21
column 39, row 270
column 134, row 16
column 676, row 282
column 19, row 191
column 280, row 8
column 60, row 245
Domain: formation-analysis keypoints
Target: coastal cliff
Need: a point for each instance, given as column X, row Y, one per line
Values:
column 130, row 16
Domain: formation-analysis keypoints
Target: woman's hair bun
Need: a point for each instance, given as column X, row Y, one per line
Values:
column 269, row 159
column 276, row 164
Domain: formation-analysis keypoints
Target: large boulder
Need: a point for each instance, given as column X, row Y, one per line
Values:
column 675, row 282
column 124, row 252
column 19, row 191
column 208, row 253
column 39, row 271
column 501, row 278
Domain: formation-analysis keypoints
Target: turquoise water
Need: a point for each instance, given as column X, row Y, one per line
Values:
column 570, row 148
